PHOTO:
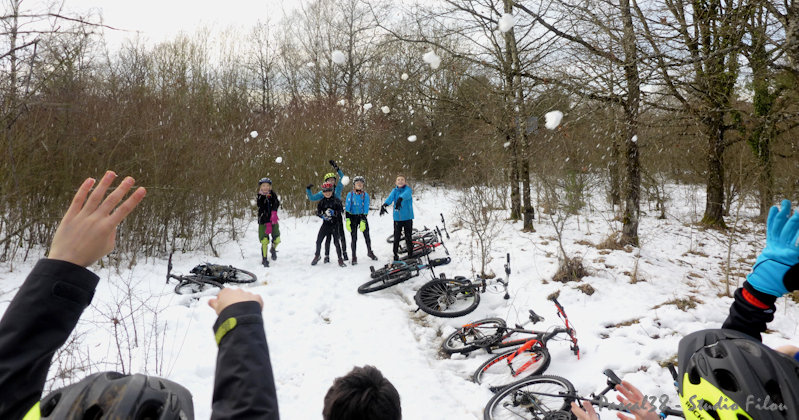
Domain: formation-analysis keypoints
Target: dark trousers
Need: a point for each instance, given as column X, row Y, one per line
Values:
column 327, row 230
column 341, row 236
column 405, row 226
column 355, row 223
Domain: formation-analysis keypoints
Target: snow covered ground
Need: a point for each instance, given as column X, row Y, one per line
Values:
column 319, row 327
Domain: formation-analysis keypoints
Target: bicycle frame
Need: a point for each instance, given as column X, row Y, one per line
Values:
column 539, row 336
column 602, row 401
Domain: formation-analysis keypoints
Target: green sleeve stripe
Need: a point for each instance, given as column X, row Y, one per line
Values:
column 34, row 413
column 226, row 326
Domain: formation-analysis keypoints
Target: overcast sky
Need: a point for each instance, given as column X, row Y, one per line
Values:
column 159, row 20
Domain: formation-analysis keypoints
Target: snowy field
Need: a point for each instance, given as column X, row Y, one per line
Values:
column 319, row 327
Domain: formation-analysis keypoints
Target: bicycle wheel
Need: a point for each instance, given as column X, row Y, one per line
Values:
column 194, row 284
column 512, row 366
column 239, row 276
column 448, row 298
column 538, row 397
column 474, row 336
column 381, row 283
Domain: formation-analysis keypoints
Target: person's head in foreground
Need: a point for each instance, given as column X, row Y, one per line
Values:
column 725, row 374
column 362, row 394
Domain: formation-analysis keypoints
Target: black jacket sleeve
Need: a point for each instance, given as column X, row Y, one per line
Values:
column 244, row 387
column 750, row 311
column 38, row 321
column 263, row 207
column 275, row 202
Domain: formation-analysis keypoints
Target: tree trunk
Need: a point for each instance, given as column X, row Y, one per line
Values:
column 765, row 188
column 632, row 191
column 515, row 199
column 714, row 204
column 511, row 115
column 615, row 173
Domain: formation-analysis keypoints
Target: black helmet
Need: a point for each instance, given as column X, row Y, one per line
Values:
column 264, row 181
column 112, row 395
column 359, row 178
column 726, row 374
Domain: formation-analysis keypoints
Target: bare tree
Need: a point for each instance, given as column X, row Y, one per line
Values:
column 696, row 47
column 604, row 31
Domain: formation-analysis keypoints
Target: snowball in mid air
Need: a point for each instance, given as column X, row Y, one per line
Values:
column 432, row 59
column 506, row 22
column 345, row 180
column 253, row 134
column 311, row 64
column 412, row 138
column 634, row 139
column 338, row 57
column 279, row 160
column 404, row 76
column 553, row 119
column 385, row 109
column 367, row 106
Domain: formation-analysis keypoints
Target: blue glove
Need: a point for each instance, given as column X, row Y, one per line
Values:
column 776, row 270
column 398, row 204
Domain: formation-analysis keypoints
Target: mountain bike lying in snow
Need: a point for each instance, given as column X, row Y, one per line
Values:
column 207, row 274
column 398, row 272
column 451, row 298
column 529, row 355
column 548, row 397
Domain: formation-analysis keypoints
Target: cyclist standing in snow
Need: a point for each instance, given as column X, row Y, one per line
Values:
column 331, row 178
column 357, row 208
column 329, row 210
column 402, row 198
column 268, row 203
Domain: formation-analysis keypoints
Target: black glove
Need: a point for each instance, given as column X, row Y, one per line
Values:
column 333, row 164
column 383, row 209
column 398, row 204
column 308, row 187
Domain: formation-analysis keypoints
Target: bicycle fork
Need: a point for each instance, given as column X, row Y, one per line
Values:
column 534, row 359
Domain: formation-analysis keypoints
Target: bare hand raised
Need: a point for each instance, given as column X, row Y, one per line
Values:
column 88, row 230
column 228, row 296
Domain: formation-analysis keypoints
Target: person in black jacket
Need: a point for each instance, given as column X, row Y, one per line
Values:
column 329, row 210
column 731, row 364
column 268, row 203
column 49, row 303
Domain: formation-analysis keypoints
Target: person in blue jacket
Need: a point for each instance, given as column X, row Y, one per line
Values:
column 339, row 187
column 403, row 214
column 357, row 208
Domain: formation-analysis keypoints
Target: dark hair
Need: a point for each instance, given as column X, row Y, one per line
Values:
column 363, row 394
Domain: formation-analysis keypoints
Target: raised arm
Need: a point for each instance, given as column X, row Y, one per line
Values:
column 47, row 307
column 244, row 385
column 775, row 273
